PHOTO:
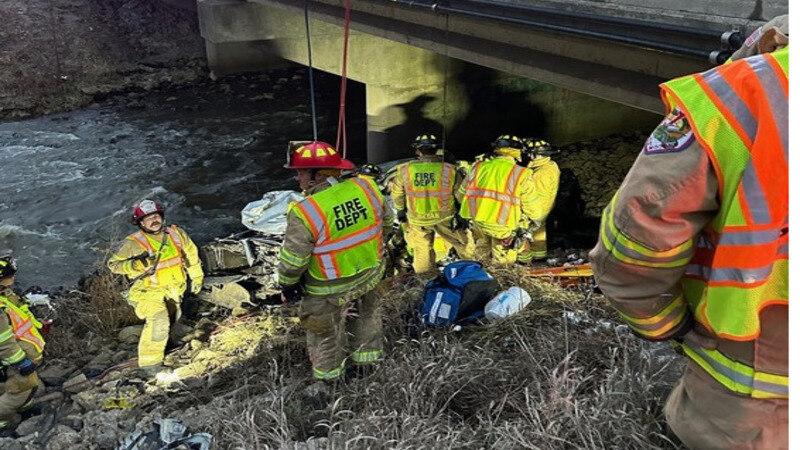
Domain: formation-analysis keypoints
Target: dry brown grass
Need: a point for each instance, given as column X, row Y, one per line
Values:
column 538, row 380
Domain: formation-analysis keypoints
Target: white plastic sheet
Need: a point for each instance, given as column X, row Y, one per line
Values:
column 268, row 215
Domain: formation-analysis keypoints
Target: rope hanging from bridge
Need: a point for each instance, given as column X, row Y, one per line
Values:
column 311, row 74
column 341, row 130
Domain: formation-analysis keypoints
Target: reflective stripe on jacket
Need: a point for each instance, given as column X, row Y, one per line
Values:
column 429, row 191
column 739, row 114
column 171, row 263
column 492, row 194
column 346, row 223
column 24, row 326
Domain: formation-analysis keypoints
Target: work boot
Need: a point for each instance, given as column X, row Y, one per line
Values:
column 8, row 426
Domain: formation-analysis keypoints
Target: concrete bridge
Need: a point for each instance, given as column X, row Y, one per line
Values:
column 587, row 68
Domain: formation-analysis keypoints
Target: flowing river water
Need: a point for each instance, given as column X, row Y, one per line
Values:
column 204, row 149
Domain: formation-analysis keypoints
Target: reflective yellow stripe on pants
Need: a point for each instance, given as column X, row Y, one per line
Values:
column 738, row 377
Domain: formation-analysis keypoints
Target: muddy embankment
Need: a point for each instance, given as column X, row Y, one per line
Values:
column 61, row 54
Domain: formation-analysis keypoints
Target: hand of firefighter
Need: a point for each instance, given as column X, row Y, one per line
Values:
column 402, row 216
column 458, row 222
column 291, row 294
column 196, row 287
column 142, row 261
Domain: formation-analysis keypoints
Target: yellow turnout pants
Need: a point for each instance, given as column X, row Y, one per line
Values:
column 535, row 248
column 155, row 308
column 489, row 249
column 17, row 394
column 330, row 321
column 420, row 240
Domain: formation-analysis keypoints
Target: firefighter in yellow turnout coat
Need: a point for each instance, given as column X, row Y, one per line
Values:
column 545, row 177
column 423, row 193
column 21, row 347
column 157, row 260
column 332, row 259
column 499, row 197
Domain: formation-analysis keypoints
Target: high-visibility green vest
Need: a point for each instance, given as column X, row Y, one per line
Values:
column 739, row 114
column 170, row 270
column 428, row 187
column 346, row 222
column 24, row 327
column 492, row 194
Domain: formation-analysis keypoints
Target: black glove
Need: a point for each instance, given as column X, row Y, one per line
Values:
column 25, row 367
column 144, row 259
column 402, row 216
column 292, row 293
column 458, row 223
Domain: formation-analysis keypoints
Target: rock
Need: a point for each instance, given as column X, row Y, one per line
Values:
column 10, row 444
column 102, row 361
column 73, row 421
column 76, row 384
column 120, row 356
column 102, row 428
column 55, row 375
column 63, row 437
column 29, row 426
column 130, row 334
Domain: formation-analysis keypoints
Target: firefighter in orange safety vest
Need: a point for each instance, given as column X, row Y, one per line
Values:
column 157, row 259
column 332, row 259
column 498, row 201
column 693, row 247
column 21, row 347
column 423, row 193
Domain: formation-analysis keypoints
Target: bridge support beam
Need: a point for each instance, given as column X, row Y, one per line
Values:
column 405, row 84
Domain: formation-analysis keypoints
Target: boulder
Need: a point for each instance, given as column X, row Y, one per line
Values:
column 62, row 438
column 130, row 334
column 55, row 375
column 30, row 426
column 76, row 384
column 10, row 444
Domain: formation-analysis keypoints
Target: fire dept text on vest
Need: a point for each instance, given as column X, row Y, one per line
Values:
column 424, row 179
column 349, row 213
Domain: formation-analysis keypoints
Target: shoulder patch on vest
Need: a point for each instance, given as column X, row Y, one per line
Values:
column 672, row 135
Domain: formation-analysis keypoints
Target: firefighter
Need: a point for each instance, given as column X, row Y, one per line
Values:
column 332, row 259
column 157, row 260
column 423, row 193
column 498, row 196
column 693, row 247
column 21, row 347
column 545, row 178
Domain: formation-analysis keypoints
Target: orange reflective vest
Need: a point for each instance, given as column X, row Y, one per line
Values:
column 170, row 264
column 492, row 194
column 739, row 114
column 24, row 325
column 346, row 223
column 429, row 191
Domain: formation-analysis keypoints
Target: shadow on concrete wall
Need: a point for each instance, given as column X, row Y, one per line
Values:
column 492, row 109
column 416, row 122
